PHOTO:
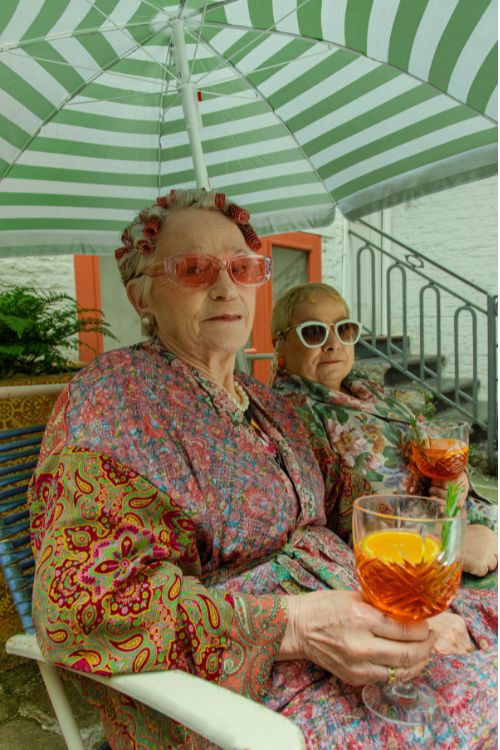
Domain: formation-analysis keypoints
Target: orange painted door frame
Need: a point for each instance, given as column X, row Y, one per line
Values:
column 261, row 333
column 88, row 294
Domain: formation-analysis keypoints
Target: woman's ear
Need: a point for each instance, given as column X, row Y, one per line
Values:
column 134, row 293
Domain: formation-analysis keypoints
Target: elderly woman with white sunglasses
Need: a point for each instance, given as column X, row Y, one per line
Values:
column 178, row 514
column 314, row 339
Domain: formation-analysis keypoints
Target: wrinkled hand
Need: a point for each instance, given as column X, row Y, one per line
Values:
column 345, row 635
column 481, row 550
column 416, row 483
column 439, row 489
column 451, row 632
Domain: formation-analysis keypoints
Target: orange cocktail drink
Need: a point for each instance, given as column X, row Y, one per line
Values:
column 439, row 449
column 440, row 458
column 409, row 553
column 406, row 575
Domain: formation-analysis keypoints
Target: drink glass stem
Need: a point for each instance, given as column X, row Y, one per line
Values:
column 405, row 690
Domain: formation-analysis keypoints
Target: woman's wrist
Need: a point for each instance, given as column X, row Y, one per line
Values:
column 290, row 643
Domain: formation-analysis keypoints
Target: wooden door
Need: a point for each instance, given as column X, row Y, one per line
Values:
column 296, row 260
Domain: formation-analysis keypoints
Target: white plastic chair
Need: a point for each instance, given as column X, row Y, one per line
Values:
column 223, row 717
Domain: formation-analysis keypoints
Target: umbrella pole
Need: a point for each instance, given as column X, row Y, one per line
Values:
column 189, row 104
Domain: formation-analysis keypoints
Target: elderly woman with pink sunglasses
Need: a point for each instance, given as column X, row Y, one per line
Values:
column 178, row 515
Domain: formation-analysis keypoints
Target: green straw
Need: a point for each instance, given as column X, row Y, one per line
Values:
column 452, row 509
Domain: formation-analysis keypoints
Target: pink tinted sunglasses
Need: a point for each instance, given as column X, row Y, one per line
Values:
column 202, row 270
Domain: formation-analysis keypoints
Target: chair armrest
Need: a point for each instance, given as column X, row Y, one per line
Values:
column 230, row 720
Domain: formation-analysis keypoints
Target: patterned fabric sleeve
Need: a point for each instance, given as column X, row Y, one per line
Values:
column 342, row 484
column 116, row 587
column 480, row 511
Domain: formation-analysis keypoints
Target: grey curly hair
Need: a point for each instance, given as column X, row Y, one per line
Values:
column 140, row 236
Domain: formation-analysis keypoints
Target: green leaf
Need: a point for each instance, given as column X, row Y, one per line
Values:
column 393, row 433
column 373, row 476
column 18, row 325
column 37, row 328
column 342, row 415
column 391, row 452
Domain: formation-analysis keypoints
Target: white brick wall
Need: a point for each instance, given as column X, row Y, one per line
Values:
column 54, row 273
column 457, row 227
column 51, row 272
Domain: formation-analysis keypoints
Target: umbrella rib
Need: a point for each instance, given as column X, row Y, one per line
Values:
column 137, row 46
column 335, row 45
column 274, row 66
column 127, row 97
column 66, row 64
column 58, row 108
column 271, row 29
column 264, row 101
column 72, row 35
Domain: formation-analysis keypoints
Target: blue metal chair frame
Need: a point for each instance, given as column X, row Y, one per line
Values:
column 19, row 451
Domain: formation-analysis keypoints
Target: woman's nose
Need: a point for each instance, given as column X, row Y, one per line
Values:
column 332, row 341
column 223, row 285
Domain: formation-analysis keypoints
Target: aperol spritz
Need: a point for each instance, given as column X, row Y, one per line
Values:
column 409, row 556
column 440, row 450
column 404, row 575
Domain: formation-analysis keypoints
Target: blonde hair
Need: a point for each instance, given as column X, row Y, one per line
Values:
column 140, row 237
column 285, row 306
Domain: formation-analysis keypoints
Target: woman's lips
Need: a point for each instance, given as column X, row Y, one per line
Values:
column 225, row 317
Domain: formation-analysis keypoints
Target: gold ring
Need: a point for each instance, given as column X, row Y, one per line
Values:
column 471, row 649
column 391, row 675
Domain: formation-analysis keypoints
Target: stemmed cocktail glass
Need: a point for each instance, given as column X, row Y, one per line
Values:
column 409, row 557
column 440, row 449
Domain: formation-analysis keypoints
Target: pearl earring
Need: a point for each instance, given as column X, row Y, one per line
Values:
column 148, row 322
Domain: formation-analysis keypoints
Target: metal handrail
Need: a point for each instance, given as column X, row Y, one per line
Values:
column 369, row 245
column 482, row 314
column 423, row 258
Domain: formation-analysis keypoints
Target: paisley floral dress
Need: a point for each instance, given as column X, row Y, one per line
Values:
column 166, row 533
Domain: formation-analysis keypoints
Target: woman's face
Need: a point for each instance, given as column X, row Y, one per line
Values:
column 201, row 322
column 328, row 364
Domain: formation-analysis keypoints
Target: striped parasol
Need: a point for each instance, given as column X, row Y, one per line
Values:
column 292, row 107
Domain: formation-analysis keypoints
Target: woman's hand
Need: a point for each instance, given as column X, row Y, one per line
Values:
column 348, row 637
column 439, row 489
column 481, row 550
column 451, row 632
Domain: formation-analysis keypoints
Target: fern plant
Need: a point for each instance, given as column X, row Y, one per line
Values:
column 38, row 327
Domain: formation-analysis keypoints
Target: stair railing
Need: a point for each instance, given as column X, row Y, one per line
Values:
column 421, row 280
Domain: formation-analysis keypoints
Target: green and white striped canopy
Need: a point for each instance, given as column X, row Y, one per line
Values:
column 304, row 105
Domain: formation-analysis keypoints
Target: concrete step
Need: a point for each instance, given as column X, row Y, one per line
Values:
column 448, row 389
column 381, row 343
column 394, row 376
column 416, row 395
